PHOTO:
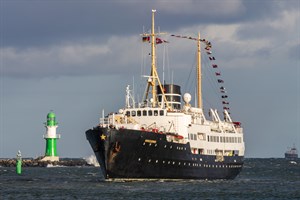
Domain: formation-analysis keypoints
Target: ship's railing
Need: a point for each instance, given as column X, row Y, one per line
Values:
column 104, row 121
column 239, row 130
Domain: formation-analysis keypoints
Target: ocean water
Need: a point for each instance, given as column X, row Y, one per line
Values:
column 260, row 179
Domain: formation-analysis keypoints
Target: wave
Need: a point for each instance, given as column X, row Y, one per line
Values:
column 92, row 160
column 51, row 165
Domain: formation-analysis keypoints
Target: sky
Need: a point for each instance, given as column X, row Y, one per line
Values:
column 77, row 57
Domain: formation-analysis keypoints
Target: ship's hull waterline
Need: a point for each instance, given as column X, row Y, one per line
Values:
column 138, row 154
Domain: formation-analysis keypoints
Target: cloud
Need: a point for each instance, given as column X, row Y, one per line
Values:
column 35, row 23
column 240, row 44
column 208, row 8
column 70, row 59
column 80, row 54
column 50, row 61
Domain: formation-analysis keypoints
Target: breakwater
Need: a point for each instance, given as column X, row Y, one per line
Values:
column 30, row 162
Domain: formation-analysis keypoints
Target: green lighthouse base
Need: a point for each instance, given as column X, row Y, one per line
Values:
column 50, row 158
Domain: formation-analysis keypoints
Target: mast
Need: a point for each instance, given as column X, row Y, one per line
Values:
column 199, row 74
column 154, row 75
column 153, row 60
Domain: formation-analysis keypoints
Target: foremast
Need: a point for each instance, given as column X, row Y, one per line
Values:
column 154, row 78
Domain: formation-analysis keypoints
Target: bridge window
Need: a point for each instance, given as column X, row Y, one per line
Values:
column 155, row 112
column 133, row 113
column 149, row 112
column 144, row 112
column 138, row 113
column 161, row 112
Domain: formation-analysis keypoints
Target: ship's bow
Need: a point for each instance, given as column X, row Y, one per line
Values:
column 96, row 138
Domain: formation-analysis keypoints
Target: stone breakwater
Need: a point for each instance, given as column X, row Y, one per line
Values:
column 39, row 163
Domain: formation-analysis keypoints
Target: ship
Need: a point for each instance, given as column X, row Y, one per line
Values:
column 164, row 136
column 291, row 153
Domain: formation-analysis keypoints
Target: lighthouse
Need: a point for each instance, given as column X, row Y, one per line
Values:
column 51, row 138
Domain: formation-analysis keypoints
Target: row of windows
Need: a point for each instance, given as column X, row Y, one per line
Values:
column 224, row 139
column 220, row 152
column 192, row 136
column 210, row 151
column 139, row 113
column 201, row 136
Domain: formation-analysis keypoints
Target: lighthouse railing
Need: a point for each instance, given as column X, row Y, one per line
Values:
column 47, row 136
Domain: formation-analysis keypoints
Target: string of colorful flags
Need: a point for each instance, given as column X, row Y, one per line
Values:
column 158, row 40
column 208, row 47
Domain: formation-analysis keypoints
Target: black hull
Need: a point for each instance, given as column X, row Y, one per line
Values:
column 135, row 154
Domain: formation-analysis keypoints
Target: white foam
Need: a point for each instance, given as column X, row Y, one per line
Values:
column 92, row 160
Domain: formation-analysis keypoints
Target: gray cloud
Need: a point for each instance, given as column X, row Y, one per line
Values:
column 35, row 23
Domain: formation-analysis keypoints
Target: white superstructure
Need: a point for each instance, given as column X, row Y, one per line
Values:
column 206, row 136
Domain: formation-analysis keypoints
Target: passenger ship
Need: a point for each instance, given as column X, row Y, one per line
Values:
column 165, row 138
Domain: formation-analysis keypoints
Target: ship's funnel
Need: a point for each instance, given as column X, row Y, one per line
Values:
column 172, row 93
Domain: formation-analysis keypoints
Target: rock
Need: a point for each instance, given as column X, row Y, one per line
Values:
column 38, row 163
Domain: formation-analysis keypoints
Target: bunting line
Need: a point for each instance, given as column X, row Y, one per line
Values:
column 208, row 47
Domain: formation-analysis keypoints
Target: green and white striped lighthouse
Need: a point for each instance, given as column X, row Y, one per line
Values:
column 51, row 138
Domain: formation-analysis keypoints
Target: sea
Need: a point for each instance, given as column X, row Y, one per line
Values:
column 272, row 178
